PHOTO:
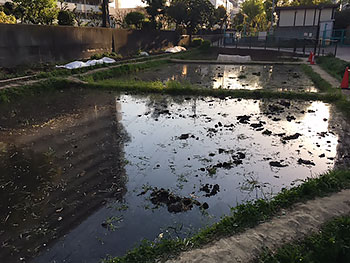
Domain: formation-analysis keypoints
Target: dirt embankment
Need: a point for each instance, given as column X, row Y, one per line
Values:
column 290, row 225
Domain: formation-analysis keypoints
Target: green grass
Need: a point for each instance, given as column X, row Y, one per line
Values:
column 242, row 217
column 334, row 66
column 198, row 54
column 124, row 70
column 49, row 85
column 178, row 88
column 321, row 84
column 331, row 244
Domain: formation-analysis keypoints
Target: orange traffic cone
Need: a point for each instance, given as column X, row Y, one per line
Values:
column 312, row 62
column 310, row 57
column 345, row 82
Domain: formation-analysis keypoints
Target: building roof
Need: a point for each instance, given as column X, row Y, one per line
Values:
column 322, row 6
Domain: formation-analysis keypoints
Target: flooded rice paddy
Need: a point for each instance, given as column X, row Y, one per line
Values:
column 84, row 174
column 251, row 77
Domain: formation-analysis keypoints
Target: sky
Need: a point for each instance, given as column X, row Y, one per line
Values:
column 130, row 3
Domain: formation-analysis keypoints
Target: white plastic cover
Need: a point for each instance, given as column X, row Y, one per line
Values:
column 89, row 63
column 144, row 54
column 176, row 49
column 233, row 58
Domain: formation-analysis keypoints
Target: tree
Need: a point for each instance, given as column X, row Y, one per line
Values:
column 220, row 16
column 342, row 19
column 65, row 18
column 177, row 12
column 255, row 16
column 37, row 11
column 310, row 2
column 193, row 14
column 238, row 21
column 155, row 9
column 252, row 8
column 7, row 19
column 135, row 19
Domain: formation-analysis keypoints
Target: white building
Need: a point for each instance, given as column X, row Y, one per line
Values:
column 225, row 3
column 83, row 6
column 304, row 21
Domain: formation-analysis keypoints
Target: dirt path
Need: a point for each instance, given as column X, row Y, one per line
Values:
column 330, row 79
column 288, row 226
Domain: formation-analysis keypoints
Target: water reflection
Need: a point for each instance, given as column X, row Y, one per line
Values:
column 57, row 170
column 218, row 152
column 251, row 77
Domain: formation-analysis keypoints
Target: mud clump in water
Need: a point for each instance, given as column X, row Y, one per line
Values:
column 210, row 190
column 175, row 204
column 243, row 119
column 306, row 162
column 291, row 137
column 277, row 164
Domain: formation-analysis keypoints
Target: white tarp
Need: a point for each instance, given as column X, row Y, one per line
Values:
column 144, row 54
column 233, row 58
column 176, row 49
column 89, row 63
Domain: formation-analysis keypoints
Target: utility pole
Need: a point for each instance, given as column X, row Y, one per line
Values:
column 105, row 13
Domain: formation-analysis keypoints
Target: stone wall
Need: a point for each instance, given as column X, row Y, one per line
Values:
column 33, row 44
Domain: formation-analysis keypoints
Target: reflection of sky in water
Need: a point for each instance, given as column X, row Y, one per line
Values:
column 157, row 157
column 251, row 77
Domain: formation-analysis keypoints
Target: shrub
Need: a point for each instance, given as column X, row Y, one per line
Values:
column 7, row 19
column 205, row 45
column 113, row 55
column 135, row 19
column 197, row 42
column 65, row 18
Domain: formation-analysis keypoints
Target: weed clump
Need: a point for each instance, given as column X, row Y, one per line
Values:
column 331, row 244
column 334, row 66
column 243, row 216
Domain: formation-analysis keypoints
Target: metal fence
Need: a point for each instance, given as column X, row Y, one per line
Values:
column 342, row 36
column 293, row 45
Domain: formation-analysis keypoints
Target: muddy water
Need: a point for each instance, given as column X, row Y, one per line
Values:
column 251, row 77
column 85, row 173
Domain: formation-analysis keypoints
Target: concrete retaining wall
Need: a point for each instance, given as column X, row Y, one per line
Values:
column 32, row 44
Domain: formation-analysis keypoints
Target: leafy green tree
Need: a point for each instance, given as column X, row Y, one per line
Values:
column 255, row 15
column 135, row 19
column 252, row 9
column 342, row 19
column 220, row 15
column 7, row 19
column 177, row 12
column 193, row 14
column 65, row 18
column 37, row 11
column 238, row 21
column 155, row 9
column 309, row 2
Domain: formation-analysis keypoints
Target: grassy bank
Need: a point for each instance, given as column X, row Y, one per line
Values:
column 331, row 244
column 45, row 86
column 242, row 217
column 334, row 66
column 177, row 88
column 170, row 88
column 122, row 70
column 319, row 82
column 42, row 71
